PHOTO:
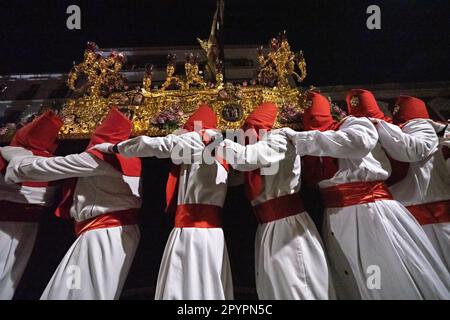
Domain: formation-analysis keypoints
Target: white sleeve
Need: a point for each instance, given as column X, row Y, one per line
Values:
column 144, row 146
column 160, row 147
column 415, row 142
column 354, row 140
column 9, row 153
column 261, row 154
column 34, row 168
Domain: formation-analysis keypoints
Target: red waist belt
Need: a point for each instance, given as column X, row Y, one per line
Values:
column 20, row 212
column 198, row 216
column 108, row 220
column 354, row 193
column 434, row 212
column 278, row 208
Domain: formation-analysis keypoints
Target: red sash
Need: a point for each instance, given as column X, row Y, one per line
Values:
column 278, row 208
column 354, row 193
column 108, row 220
column 254, row 184
column 430, row 213
column 68, row 192
column 20, row 212
column 3, row 165
column 198, row 216
column 172, row 188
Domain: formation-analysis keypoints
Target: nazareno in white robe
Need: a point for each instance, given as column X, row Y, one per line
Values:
column 290, row 259
column 427, row 180
column 377, row 250
column 195, row 264
column 17, row 238
column 97, row 264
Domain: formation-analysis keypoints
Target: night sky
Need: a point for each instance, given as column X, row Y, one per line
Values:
column 412, row 46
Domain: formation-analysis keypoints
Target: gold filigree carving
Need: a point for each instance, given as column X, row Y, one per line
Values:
column 232, row 103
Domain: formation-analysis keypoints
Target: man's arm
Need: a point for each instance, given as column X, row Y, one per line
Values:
column 415, row 142
column 160, row 147
column 32, row 168
column 144, row 146
column 258, row 155
column 355, row 139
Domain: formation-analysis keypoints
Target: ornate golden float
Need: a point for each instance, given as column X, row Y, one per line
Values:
column 104, row 87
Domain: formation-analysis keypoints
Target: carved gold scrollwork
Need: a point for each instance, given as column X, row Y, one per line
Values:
column 232, row 103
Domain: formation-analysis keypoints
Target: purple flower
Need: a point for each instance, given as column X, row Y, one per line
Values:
column 170, row 117
column 337, row 112
column 8, row 129
column 289, row 114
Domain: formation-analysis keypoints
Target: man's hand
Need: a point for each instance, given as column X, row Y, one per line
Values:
column 375, row 121
column 104, row 147
column 9, row 153
column 287, row 132
column 212, row 134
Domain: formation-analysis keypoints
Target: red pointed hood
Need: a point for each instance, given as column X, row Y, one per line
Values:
column 113, row 129
column 205, row 118
column 407, row 108
column 262, row 118
column 318, row 115
column 367, row 106
column 40, row 136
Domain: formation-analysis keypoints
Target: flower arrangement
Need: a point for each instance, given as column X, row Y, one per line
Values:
column 7, row 131
column 289, row 114
column 337, row 112
column 169, row 119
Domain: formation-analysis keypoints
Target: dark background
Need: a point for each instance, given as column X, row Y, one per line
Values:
column 412, row 46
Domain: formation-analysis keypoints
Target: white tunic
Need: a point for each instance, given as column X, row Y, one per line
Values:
column 377, row 250
column 16, row 245
column 17, row 238
column 289, row 256
column 427, row 180
column 195, row 264
column 97, row 264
